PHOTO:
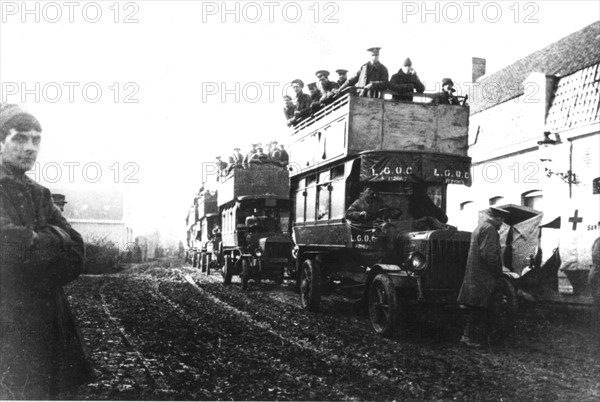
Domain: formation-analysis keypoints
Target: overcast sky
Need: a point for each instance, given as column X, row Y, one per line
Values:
column 175, row 58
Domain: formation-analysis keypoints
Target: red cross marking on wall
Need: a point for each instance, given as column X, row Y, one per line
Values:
column 575, row 219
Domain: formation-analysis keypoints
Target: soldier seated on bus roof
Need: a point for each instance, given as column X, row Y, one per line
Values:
column 259, row 156
column 288, row 109
column 369, row 207
column 315, row 97
column 301, row 103
column 326, row 87
column 221, row 167
column 447, row 96
column 249, row 155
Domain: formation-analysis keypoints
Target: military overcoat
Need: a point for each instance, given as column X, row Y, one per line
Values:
column 41, row 349
column 484, row 266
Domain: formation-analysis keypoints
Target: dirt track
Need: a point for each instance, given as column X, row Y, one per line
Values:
column 154, row 335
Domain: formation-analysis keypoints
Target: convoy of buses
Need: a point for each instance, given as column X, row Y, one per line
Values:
column 271, row 222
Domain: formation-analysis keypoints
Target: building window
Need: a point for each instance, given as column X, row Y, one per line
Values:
column 532, row 199
column 496, row 200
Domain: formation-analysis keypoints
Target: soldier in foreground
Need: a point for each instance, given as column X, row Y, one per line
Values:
column 483, row 272
column 42, row 355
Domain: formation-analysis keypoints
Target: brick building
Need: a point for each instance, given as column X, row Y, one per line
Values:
column 534, row 137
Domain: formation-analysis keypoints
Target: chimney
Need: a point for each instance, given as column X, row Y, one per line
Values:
column 478, row 67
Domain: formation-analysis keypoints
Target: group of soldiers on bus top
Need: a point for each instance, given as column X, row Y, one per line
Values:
column 275, row 153
column 369, row 81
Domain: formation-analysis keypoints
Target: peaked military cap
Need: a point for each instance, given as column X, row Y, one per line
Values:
column 374, row 50
column 298, row 81
column 341, row 71
column 447, row 81
column 322, row 72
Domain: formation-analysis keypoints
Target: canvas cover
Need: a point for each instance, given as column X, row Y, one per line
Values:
column 415, row 167
column 519, row 236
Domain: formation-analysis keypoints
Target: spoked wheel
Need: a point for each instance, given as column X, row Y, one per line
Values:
column 383, row 305
column 227, row 274
column 503, row 312
column 310, row 285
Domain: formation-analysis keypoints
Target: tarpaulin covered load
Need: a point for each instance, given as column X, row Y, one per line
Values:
column 415, row 167
column 519, row 236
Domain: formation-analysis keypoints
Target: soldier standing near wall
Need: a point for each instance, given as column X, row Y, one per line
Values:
column 42, row 354
column 60, row 201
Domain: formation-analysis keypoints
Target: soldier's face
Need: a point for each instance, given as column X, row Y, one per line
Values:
column 297, row 88
column 369, row 194
column 374, row 58
column 20, row 149
column 322, row 78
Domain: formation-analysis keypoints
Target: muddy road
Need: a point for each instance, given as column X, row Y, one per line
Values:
column 172, row 333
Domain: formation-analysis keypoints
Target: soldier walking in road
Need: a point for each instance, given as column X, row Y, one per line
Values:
column 483, row 272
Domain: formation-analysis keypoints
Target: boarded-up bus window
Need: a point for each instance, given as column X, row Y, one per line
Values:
column 311, row 202
column 299, row 202
column 338, row 209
